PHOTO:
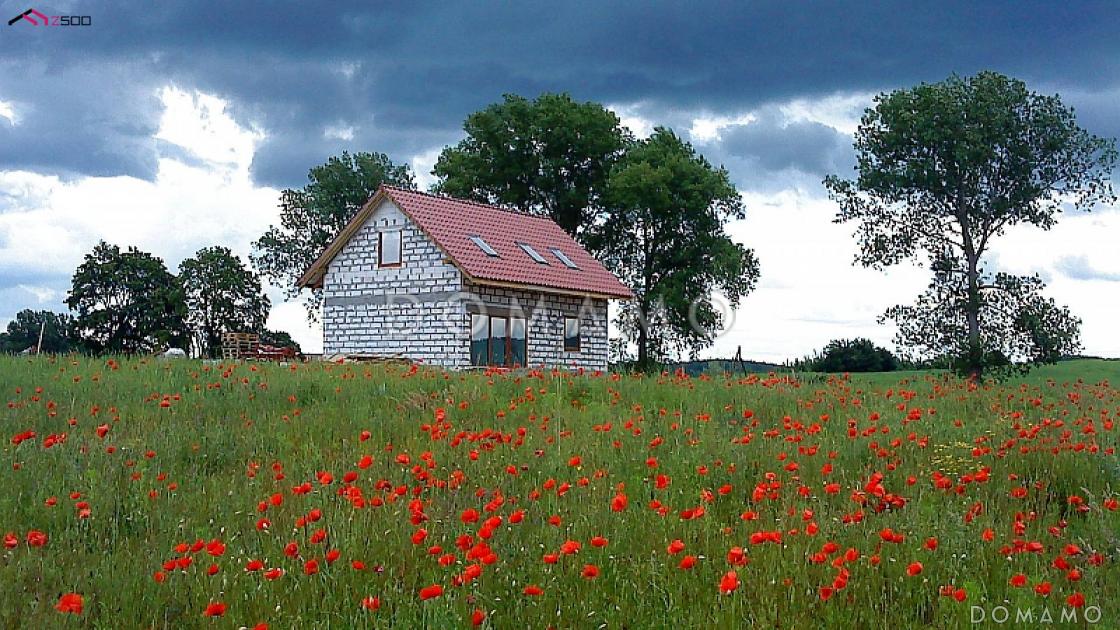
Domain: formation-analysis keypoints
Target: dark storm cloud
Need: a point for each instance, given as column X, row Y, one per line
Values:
column 78, row 119
column 403, row 75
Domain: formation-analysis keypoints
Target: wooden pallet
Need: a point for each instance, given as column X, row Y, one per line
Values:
column 237, row 346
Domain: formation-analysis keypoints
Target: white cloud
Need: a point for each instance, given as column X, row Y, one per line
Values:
column 631, row 117
column 348, row 68
column 1090, row 237
column 7, row 111
column 422, row 165
column 198, row 123
column 292, row 317
column 706, row 128
column 21, row 190
column 809, row 292
column 43, row 294
column 339, row 132
column 839, row 111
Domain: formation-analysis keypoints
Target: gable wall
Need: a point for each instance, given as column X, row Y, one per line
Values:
column 409, row 312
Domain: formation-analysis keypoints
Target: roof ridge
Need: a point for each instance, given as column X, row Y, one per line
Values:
column 470, row 202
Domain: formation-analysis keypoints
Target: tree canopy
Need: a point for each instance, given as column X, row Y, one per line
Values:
column 944, row 169
column 550, row 156
column 222, row 295
column 23, row 332
column 663, row 236
column 127, row 302
column 312, row 216
column 850, row 355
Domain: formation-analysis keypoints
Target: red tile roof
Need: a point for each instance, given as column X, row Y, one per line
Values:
column 451, row 222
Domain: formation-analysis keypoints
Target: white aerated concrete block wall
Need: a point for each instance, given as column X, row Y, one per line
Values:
column 408, row 311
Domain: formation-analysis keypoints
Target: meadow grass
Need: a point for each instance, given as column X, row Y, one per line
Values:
column 196, row 452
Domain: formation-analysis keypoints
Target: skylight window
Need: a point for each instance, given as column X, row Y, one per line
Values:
column 564, row 259
column 484, row 246
column 533, row 253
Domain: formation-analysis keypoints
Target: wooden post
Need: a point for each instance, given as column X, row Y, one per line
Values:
column 39, row 346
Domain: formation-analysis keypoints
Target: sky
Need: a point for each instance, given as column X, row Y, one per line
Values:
column 174, row 125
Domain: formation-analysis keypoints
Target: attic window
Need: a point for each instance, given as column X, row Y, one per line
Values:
column 533, row 253
column 564, row 259
column 484, row 246
column 389, row 248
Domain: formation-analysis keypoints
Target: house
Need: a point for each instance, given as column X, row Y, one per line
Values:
column 455, row 283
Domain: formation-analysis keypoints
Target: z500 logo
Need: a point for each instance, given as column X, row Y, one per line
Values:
column 36, row 18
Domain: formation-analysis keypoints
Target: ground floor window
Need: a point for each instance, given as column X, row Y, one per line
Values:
column 498, row 340
column 571, row 334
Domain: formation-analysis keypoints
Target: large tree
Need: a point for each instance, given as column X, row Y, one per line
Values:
column 24, row 332
column 310, row 217
column 944, row 169
column 127, row 302
column 550, row 156
column 222, row 295
column 664, row 237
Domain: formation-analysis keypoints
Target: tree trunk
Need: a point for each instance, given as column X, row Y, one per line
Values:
column 974, row 359
column 643, row 339
column 643, row 314
column 972, row 316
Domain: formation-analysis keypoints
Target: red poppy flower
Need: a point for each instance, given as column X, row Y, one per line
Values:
column 70, row 603
column 728, row 583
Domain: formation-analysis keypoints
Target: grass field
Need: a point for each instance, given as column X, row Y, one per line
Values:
column 357, row 496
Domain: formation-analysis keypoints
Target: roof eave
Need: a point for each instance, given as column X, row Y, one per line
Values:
column 547, row 289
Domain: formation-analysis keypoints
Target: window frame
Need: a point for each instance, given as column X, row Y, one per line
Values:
column 578, row 347
column 486, row 247
column 532, row 253
column 381, row 264
column 508, row 346
column 563, row 258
